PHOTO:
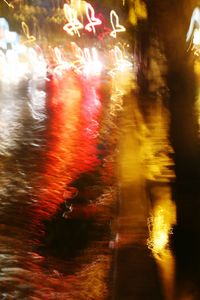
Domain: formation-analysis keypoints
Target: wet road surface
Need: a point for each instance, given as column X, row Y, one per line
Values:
column 114, row 241
column 48, row 252
column 100, row 183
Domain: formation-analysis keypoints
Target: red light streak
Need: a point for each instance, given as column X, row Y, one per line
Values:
column 72, row 139
column 73, row 25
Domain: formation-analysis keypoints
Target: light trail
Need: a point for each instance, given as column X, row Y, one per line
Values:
column 160, row 228
column 25, row 29
column 121, row 64
column 114, row 19
column 91, row 63
column 193, row 34
column 8, row 3
column 74, row 25
column 195, row 21
column 93, row 21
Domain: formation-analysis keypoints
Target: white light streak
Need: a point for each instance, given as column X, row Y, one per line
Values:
column 195, row 21
column 91, row 18
column 73, row 25
column 114, row 19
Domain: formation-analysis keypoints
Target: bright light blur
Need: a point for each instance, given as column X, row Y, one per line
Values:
column 73, row 25
column 91, row 18
column 195, row 21
column 193, row 34
column 196, row 37
column 197, row 102
column 137, row 11
column 20, row 65
column 121, row 63
column 116, row 26
column 91, row 62
column 160, row 225
column 79, row 6
column 37, row 103
column 162, row 219
column 75, row 110
column 10, row 125
column 9, row 4
column 17, row 61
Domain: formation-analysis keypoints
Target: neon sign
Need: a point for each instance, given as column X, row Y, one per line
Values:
column 91, row 18
column 74, row 25
column 114, row 19
column 25, row 28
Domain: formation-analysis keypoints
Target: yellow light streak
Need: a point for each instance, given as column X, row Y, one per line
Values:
column 121, row 64
column 62, row 65
column 75, row 4
column 25, row 29
column 88, row 61
column 9, row 4
column 114, row 19
column 137, row 11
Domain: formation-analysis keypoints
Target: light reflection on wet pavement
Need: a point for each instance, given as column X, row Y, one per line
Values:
column 52, row 149
column 87, row 206
column 145, row 172
column 44, row 148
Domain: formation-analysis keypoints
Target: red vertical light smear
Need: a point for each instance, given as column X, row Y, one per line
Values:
column 74, row 112
column 89, row 128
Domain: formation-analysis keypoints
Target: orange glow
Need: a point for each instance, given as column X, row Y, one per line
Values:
column 137, row 12
column 197, row 102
